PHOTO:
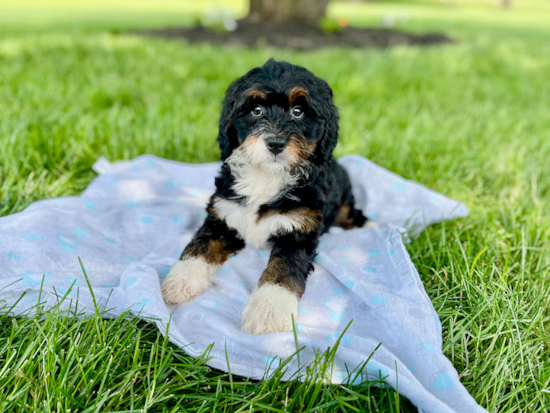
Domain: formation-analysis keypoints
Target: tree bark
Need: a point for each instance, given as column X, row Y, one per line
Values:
column 278, row 12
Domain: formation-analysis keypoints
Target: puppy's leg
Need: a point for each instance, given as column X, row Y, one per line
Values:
column 348, row 217
column 210, row 247
column 274, row 301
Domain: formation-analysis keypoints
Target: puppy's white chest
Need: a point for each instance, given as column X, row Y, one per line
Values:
column 259, row 188
column 244, row 219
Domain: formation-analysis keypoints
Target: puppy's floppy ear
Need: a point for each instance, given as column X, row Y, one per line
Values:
column 227, row 135
column 330, row 114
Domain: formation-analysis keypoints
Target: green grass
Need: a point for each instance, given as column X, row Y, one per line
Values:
column 470, row 120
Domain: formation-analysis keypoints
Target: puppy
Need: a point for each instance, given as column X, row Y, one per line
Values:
column 279, row 187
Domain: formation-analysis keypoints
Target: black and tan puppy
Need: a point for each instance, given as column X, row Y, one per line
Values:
column 279, row 188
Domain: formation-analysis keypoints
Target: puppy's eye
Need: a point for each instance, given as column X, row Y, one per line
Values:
column 257, row 111
column 297, row 112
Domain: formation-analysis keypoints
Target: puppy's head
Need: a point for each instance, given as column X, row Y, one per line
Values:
column 278, row 117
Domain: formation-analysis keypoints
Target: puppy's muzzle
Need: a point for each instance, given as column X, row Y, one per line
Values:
column 276, row 144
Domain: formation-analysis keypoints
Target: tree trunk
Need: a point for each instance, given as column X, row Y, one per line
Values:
column 277, row 12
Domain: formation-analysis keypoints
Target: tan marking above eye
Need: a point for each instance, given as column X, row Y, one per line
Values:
column 255, row 94
column 295, row 93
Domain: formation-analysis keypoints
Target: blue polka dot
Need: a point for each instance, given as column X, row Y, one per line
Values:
column 129, row 259
column 391, row 253
column 412, row 369
column 131, row 204
column 131, row 281
column 428, row 347
column 146, row 219
column 344, row 247
column 1, row 243
column 373, row 253
column 304, row 310
column 173, row 185
column 15, row 256
column 436, row 199
column 71, row 280
column 271, row 361
column 398, row 184
column 64, row 291
column 319, row 258
column 149, row 162
column 111, row 241
column 35, row 282
column 175, row 219
column 442, row 382
column 226, row 269
column 239, row 303
column 345, row 339
column 194, row 348
column 372, row 216
column 79, row 232
column 26, row 279
column 300, row 328
column 323, row 242
column 144, row 302
column 349, row 283
column 337, row 376
column 357, row 379
column 339, row 290
column 369, row 269
column 377, row 370
column 34, row 237
column 134, row 167
column 342, row 259
column 164, row 270
column 112, row 184
column 379, row 299
column 88, row 203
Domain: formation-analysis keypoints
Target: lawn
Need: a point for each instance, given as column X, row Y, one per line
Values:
column 470, row 120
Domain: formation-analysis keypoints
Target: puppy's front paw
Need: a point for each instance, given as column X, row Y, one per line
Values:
column 187, row 279
column 269, row 309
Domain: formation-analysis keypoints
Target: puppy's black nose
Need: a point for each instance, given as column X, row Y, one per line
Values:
column 276, row 144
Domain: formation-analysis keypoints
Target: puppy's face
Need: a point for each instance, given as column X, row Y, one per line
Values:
column 277, row 128
column 278, row 116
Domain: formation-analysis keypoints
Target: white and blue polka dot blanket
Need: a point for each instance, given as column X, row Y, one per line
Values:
column 132, row 222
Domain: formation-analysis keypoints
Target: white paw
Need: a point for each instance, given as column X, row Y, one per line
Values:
column 269, row 309
column 187, row 279
column 370, row 224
